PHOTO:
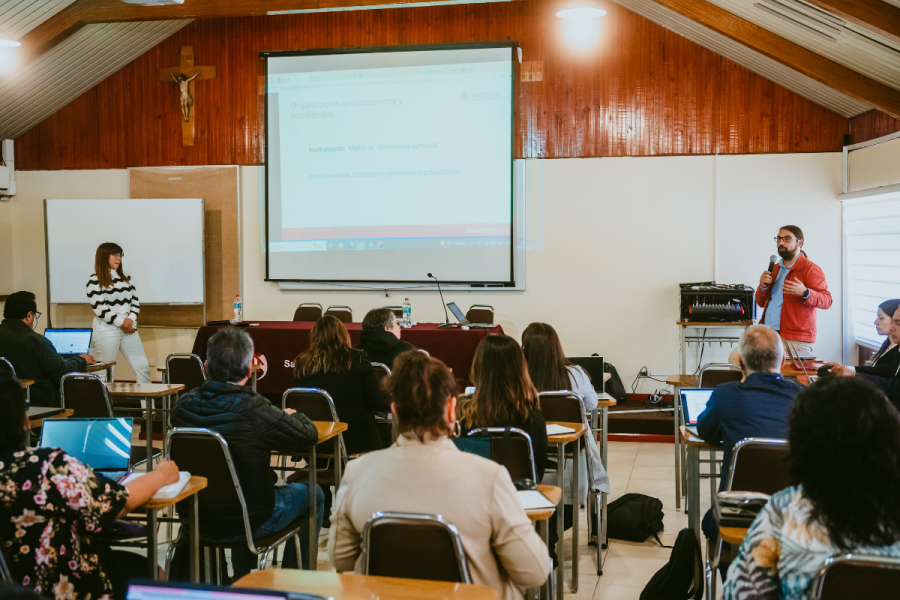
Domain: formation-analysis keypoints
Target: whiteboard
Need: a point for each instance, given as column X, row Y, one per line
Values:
column 163, row 241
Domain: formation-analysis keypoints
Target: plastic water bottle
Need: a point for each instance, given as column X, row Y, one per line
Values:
column 407, row 313
column 238, row 310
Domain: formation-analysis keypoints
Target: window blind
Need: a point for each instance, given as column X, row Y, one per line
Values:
column 872, row 260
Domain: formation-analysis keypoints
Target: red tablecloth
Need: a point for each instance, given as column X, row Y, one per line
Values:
column 278, row 342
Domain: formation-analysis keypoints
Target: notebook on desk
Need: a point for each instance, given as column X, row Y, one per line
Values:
column 102, row 444
column 693, row 403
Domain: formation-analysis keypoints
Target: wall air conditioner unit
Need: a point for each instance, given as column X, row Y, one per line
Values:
column 153, row 2
column 7, row 170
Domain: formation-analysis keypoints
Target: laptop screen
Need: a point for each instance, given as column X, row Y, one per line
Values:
column 693, row 402
column 70, row 341
column 456, row 312
column 102, row 444
column 159, row 590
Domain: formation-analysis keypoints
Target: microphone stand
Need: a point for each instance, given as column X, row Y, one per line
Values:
column 447, row 322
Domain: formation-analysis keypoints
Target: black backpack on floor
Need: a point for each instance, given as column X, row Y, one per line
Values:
column 634, row 518
column 682, row 577
column 614, row 387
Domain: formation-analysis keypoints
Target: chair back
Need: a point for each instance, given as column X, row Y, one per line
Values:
column 397, row 310
column 5, row 365
column 517, row 456
column 381, row 370
column 186, row 369
column 857, row 576
column 86, row 394
column 413, row 546
column 480, row 313
column 308, row 311
column 344, row 314
column 594, row 367
column 712, row 374
column 316, row 404
column 760, row 465
column 561, row 407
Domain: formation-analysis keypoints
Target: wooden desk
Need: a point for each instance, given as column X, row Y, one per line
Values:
column 561, row 440
column 694, row 445
column 149, row 391
column 103, row 366
column 348, row 586
column 27, row 383
column 733, row 535
column 65, row 414
column 193, row 486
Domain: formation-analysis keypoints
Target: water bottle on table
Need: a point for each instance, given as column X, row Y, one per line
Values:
column 407, row 313
column 238, row 310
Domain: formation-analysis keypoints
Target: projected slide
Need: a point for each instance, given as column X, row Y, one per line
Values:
column 384, row 166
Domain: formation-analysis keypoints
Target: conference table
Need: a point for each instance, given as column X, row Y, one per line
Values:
column 277, row 343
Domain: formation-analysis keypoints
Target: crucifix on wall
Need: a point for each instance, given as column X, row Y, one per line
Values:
column 184, row 76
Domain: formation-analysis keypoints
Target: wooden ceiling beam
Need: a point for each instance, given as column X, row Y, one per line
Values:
column 875, row 15
column 816, row 66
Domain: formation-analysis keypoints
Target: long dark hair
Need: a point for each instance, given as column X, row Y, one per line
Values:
column 845, row 451
column 888, row 307
column 101, row 264
column 329, row 349
column 545, row 357
column 12, row 412
column 504, row 394
column 420, row 387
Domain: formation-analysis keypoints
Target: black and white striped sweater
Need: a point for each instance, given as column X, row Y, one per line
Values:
column 114, row 304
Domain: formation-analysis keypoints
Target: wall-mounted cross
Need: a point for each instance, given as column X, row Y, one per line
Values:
column 184, row 75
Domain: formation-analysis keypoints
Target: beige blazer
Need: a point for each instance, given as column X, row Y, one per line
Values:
column 474, row 494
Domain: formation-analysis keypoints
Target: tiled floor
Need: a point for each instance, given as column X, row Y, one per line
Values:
column 627, row 566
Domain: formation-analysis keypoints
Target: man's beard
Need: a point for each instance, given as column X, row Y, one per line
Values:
column 787, row 254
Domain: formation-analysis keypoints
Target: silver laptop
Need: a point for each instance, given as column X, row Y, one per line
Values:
column 463, row 320
column 693, row 403
column 102, row 444
column 70, row 341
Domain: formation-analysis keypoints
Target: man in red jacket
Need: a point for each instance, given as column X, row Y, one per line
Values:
column 792, row 292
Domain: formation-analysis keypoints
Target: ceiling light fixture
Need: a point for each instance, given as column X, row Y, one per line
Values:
column 581, row 9
column 6, row 40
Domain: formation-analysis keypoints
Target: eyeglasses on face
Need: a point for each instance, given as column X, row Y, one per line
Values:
column 118, row 254
column 786, row 238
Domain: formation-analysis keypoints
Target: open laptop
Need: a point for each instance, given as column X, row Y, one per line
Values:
column 693, row 403
column 593, row 366
column 463, row 320
column 70, row 341
column 102, row 444
column 170, row 590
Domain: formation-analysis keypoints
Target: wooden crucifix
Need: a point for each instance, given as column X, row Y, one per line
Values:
column 184, row 76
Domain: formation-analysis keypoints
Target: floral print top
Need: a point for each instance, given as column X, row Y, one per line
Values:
column 783, row 550
column 53, row 510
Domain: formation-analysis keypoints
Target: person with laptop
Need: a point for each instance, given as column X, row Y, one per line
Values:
column 55, row 512
column 380, row 338
column 32, row 355
column 253, row 428
column 758, row 406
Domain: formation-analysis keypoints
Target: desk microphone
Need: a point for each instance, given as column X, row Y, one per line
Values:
column 772, row 260
column 446, row 316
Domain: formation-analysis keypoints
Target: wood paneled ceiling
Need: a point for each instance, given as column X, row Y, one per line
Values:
column 841, row 54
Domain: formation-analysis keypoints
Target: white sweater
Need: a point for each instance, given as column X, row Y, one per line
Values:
column 113, row 304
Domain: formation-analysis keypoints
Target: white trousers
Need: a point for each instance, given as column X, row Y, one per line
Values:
column 109, row 340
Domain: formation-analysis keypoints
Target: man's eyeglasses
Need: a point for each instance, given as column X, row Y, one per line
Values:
column 37, row 316
column 786, row 238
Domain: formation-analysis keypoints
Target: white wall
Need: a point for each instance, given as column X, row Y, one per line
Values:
column 619, row 234
column 875, row 166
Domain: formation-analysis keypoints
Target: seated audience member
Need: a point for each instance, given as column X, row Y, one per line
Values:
column 758, row 406
column 845, row 468
column 253, row 428
column 55, row 511
column 504, row 395
column 886, row 361
column 332, row 364
column 31, row 354
column 424, row 472
column 381, row 337
column 550, row 370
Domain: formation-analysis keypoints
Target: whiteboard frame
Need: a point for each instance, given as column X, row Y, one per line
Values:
column 50, row 301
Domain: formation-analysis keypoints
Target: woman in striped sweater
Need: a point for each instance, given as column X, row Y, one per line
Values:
column 116, row 308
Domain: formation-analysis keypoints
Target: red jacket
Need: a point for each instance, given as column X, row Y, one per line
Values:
column 798, row 316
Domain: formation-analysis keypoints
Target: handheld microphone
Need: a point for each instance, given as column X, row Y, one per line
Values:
column 772, row 260
column 446, row 316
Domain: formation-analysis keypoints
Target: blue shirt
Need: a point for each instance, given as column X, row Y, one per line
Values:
column 773, row 311
column 758, row 407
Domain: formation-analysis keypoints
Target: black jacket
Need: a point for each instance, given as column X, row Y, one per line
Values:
column 253, row 427
column 34, row 357
column 356, row 398
column 536, row 428
column 887, row 365
column 382, row 346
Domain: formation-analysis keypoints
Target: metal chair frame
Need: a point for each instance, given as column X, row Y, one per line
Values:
column 397, row 310
column 67, row 376
column 380, row 519
column 180, row 355
column 223, row 444
column 10, row 365
column 712, row 565
column 339, row 308
column 482, row 306
column 334, row 417
column 302, row 304
column 819, row 582
column 499, row 432
column 716, row 367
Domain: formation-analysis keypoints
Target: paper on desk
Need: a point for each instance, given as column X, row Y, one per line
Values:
column 167, row 491
column 532, row 500
column 553, row 429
